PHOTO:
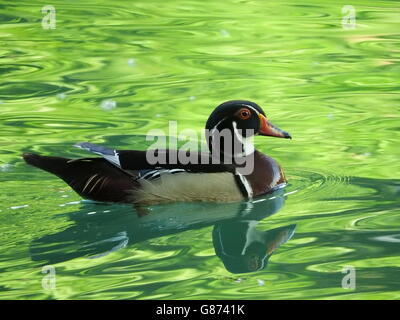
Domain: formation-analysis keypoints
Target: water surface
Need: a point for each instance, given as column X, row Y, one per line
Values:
column 111, row 71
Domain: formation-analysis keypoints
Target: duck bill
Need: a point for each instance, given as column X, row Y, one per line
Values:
column 268, row 129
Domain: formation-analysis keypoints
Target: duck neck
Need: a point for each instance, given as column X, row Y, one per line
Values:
column 229, row 143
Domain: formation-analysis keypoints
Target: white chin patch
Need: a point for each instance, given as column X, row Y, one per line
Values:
column 248, row 147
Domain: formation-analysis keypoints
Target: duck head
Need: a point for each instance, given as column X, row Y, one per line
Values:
column 240, row 120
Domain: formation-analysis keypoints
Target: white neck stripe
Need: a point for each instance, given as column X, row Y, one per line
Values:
column 246, row 185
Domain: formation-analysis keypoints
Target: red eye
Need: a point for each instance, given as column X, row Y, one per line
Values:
column 244, row 113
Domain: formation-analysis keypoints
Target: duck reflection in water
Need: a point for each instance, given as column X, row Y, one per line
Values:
column 238, row 242
column 243, row 248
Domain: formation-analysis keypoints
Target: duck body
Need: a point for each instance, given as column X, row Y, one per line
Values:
column 128, row 176
column 181, row 185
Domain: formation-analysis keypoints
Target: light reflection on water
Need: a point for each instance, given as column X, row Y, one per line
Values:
column 334, row 90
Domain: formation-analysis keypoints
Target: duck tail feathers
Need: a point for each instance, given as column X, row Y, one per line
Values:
column 91, row 178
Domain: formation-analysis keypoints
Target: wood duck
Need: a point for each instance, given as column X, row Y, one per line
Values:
column 221, row 175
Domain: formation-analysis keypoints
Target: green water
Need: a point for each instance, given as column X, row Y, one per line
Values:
column 334, row 89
